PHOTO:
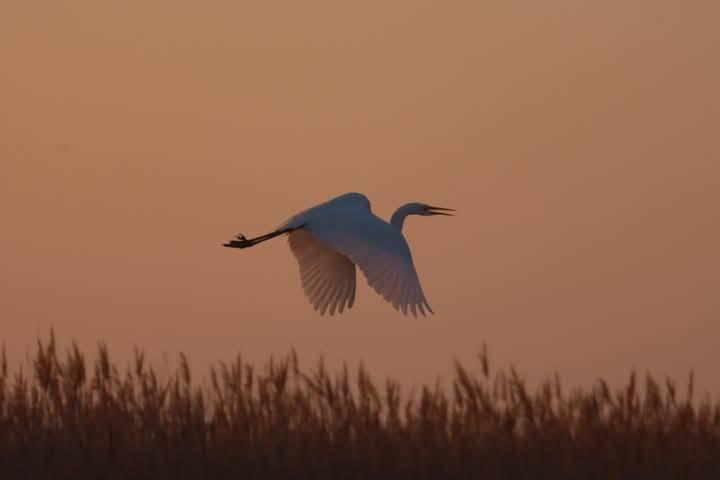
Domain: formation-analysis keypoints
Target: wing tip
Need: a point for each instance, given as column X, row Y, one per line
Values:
column 427, row 305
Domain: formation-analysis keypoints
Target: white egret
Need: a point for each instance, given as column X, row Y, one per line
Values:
column 329, row 239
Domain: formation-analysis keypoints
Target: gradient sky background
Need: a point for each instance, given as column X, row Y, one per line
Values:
column 580, row 142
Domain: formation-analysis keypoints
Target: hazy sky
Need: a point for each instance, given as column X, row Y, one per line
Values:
column 579, row 141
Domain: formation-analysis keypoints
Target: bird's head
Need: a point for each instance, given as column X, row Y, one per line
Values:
column 422, row 209
column 427, row 210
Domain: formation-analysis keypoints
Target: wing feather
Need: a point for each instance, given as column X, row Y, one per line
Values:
column 339, row 294
column 404, row 298
column 324, row 295
column 327, row 276
column 329, row 298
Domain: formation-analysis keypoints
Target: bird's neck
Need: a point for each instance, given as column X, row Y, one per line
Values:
column 398, row 218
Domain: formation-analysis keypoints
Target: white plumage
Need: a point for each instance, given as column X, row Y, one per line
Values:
column 328, row 240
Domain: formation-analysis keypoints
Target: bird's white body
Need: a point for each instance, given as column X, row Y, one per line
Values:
column 330, row 239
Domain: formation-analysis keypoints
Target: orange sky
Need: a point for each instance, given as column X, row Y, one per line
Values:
column 578, row 140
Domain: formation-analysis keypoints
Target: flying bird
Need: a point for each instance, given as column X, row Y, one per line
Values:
column 330, row 239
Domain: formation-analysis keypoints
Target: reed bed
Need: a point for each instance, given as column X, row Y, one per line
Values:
column 71, row 419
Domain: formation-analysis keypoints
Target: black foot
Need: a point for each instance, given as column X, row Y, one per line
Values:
column 241, row 242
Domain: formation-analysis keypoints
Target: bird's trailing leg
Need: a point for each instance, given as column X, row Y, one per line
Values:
column 242, row 242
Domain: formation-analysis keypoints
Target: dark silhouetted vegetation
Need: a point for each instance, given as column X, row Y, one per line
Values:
column 69, row 419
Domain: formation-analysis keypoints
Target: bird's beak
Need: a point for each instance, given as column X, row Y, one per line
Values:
column 440, row 211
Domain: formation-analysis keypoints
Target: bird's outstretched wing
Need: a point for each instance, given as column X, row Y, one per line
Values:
column 380, row 251
column 328, row 277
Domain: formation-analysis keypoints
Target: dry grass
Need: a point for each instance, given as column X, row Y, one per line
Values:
column 69, row 419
